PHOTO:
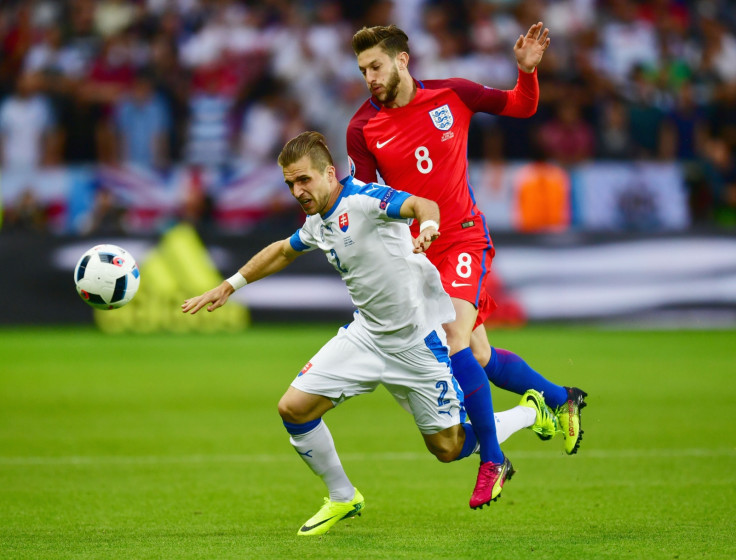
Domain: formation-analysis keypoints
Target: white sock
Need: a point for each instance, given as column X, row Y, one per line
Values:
column 513, row 420
column 317, row 448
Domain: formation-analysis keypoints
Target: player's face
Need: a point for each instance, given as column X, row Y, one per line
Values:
column 381, row 74
column 310, row 187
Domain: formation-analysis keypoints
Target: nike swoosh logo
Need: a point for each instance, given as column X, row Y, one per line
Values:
column 306, row 528
column 456, row 285
column 356, row 508
column 380, row 145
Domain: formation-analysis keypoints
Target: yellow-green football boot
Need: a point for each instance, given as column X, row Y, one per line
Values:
column 545, row 425
column 330, row 513
column 568, row 418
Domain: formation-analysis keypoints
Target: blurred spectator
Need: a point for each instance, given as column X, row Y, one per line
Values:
column 172, row 84
column 142, row 123
column 328, row 38
column 53, row 58
column 645, row 115
column 684, row 127
column 114, row 16
column 722, row 121
column 627, row 40
column 567, row 138
column 17, row 38
column 720, row 169
column 542, row 198
column 107, row 216
column 82, row 43
column 26, row 214
column 208, row 139
column 112, row 72
column 262, row 133
column 613, row 140
column 719, row 49
column 28, row 136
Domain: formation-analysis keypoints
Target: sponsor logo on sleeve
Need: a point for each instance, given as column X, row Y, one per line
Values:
column 387, row 198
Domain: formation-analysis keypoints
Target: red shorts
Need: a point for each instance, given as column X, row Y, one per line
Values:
column 463, row 258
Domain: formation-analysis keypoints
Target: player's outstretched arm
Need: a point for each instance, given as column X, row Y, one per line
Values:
column 530, row 48
column 273, row 258
column 427, row 213
column 216, row 297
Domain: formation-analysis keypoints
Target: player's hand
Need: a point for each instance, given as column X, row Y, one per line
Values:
column 424, row 239
column 530, row 48
column 215, row 297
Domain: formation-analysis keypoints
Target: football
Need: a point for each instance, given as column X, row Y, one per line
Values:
column 107, row 277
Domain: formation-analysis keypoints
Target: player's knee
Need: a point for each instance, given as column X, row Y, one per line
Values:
column 481, row 354
column 457, row 341
column 290, row 411
column 480, row 346
column 446, row 449
column 445, row 456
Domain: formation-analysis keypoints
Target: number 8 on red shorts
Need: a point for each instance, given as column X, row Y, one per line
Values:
column 464, row 269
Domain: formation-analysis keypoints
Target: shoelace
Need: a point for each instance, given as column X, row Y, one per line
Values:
column 487, row 472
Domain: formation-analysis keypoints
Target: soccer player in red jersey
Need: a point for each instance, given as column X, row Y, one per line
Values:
column 415, row 135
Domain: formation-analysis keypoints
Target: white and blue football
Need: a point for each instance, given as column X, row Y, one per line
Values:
column 107, row 277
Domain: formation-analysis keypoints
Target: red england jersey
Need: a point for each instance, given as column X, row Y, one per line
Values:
column 421, row 148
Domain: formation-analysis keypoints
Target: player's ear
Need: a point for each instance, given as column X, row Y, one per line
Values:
column 402, row 60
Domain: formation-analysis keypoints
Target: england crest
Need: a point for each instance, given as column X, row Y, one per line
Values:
column 442, row 117
column 342, row 221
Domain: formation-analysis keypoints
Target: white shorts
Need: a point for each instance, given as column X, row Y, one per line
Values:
column 419, row 378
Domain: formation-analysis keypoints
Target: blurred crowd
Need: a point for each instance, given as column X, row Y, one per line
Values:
column 158, row 83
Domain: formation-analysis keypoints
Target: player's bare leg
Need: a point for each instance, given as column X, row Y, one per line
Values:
column 480, row 346
column 447, row 445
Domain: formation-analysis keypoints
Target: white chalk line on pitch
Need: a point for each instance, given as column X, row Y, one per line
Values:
column 92, row 460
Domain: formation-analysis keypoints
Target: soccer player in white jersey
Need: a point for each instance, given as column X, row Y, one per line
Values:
column 396, row 337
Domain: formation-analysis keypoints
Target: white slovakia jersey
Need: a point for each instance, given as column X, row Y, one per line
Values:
column 398, row 293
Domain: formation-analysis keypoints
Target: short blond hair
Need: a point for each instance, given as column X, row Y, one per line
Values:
column 309, row 143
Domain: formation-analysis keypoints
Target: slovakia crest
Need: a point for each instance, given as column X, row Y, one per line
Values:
column 442, row 117
column 342, row 221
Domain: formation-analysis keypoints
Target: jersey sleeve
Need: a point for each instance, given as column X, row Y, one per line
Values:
column 383, row 201
column 361, row 162
column 519, row 102
column 303, row 240
column 523, row 99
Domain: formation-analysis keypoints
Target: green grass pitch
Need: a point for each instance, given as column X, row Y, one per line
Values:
column 164, row 446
